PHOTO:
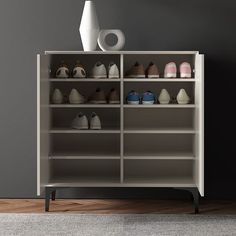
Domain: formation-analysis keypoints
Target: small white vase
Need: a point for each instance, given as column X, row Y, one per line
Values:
column 57, row 96
column 164, row 97
column 182, row 97
column 89, row 27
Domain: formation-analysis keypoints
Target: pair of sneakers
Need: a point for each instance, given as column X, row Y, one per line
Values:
column 146, row 98
column 138, row 71
column 184, row 70
column 99, row 71
column 99, row 97
column 74, row 97
column 63, row 71
column 182, row 97
column 81, row 122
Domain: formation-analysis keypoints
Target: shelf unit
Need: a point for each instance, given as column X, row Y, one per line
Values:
column 139, row 145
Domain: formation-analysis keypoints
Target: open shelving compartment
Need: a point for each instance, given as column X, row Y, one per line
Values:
column 139, row 145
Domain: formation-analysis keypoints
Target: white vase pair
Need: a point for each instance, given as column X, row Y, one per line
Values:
column 182, row 97
column 90, row 31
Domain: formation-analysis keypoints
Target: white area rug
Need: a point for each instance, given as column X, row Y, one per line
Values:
column 122, row 225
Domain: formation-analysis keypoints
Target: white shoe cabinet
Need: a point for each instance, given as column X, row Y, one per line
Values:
column 139, row 145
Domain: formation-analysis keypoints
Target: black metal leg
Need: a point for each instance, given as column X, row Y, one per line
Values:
column 47, row 198
column 195, row 197
column 54, row 195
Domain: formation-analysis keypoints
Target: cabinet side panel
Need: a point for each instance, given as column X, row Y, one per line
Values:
column 199, row 124
column 42, row 122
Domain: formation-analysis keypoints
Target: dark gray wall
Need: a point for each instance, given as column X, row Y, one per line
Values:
column 29, row 27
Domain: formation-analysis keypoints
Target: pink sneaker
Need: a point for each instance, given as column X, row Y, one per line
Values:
column 185, row 70
column 170, row 70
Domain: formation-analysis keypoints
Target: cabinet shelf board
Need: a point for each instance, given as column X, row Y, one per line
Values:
column 83, row 80
column 84, row 105
column 160, row 106
column 84, row 157
column 158, row 80
column 159, row 131
column 85, row 131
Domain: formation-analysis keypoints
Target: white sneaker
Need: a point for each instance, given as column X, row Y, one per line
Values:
column 78, row 71
column 113, row 71
column 57, row 97
column 75, row 97
column 80, row 122
column 99, row 71
column 182, row 97
column 185, row 70
column 95, row 122
column 62, row 71
column 164, row 97
column 170, row 70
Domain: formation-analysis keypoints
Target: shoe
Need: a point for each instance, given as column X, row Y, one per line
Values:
column 98, row 97
column 57, row 97
column 99, row 71
column 80, row 122
column 133, row 98
column 113, row 97
column 170, row 70
column 62, row 71
column 137, row 71
column 78, row 71
column 152, row 71
column 75, row 97
column 182, row 97
column 164, row 97
column 185, row 70
column 148, row 98
column 95, row 122
column 113, row 71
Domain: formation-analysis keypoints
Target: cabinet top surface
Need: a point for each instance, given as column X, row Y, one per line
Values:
column 122, row 52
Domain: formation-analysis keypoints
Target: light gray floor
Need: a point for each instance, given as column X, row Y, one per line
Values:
column 122, row 225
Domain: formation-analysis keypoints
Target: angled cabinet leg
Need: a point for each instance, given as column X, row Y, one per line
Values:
column 195, row 197
column 47, row 198
column 54, row 195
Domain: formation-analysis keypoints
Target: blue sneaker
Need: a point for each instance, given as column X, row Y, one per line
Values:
column 133, row 98
column 148, row 98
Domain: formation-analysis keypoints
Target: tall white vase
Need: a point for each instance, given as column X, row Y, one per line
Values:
column 89, row 27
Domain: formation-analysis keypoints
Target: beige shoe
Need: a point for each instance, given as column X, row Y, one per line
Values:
column 98, row 97
column 152, row 71
column 137, row 71
column 113, row 97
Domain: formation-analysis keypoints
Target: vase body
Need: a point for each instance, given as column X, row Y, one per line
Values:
column 89, row 27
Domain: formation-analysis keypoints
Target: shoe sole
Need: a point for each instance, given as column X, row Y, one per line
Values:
column 113, row 77
column 184, row 75
column 98, row 102
column 114, row 102
column 76, row 102
column 99, row 77
column 167, row 102
column 182, row 103
column 153, row 76
column 77, row 127
column 96, row 128
column 170, row 75
column 136, row 76
column 147, row 102
column 133, row 102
